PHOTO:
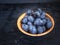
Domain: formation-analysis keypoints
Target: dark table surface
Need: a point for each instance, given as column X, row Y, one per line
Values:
column 9, row 33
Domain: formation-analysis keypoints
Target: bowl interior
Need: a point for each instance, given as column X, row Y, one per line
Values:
column 19, row 25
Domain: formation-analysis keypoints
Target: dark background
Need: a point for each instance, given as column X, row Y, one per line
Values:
column 9, row 33
column 28, row 1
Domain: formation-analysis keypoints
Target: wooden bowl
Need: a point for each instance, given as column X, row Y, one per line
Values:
column 19, row 25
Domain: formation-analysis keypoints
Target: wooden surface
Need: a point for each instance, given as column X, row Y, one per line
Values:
column 9, row 33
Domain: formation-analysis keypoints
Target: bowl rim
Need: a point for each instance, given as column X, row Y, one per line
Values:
column 29, row 34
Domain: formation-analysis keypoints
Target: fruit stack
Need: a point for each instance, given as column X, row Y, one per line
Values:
column 36, row 22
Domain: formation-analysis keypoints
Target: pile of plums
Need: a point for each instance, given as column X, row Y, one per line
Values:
column 36, row 22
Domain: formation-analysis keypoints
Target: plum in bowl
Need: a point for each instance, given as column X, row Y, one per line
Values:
column 35, row 23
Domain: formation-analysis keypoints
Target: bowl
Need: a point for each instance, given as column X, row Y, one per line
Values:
column 19, row 25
